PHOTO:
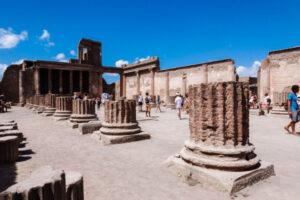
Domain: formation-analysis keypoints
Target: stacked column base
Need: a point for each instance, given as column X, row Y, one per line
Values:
column 62, row 115
column 120, row 133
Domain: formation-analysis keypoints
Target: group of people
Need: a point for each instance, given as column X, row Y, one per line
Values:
column 148, row 101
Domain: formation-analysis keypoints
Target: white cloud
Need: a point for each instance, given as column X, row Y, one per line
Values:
column 121, row 62
column 45, row 37
column 61, row 57
column 72, row 52
column 9, row 39
column 249, row 71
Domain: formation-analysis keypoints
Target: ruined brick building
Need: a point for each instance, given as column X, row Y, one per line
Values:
column 84, row 74
column 278, row 72
column 39, row 77
column 147, row 76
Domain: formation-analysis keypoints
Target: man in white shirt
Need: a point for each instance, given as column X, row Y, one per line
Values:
column 178, row 104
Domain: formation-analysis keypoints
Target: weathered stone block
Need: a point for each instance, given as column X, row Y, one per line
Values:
column 74, row 186
column 43, row 184
column 9, row 149
column 89, row 127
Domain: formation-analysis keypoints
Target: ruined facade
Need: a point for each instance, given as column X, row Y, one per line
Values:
column 147, row 76
column 42, row 77
column 278, row 72
column 84, row 74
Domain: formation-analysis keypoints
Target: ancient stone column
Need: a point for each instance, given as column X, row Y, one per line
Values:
column 218, row 151
column 71, row 82
column 41, row 104
column 43, row 184
column 138, row 88
column 63, row 107
column 60, row 81
column 74, row 186
column 9, row 146
column 49, row 81
column 21, row 88
column 50, row 105
column 83, row 111
column 120, row 123
column 152, row 82
column 80, row 81
column 37, row 80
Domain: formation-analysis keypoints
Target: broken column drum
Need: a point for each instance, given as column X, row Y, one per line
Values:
column 83, row 111
column 50, row 104
column 9, row 151
column 63, row 107
column 219, row 135
column 120, row 123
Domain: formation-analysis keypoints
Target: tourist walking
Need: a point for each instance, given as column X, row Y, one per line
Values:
column 178, row 104
column 148, row 106
column 293, row 109
column 158, row 102
column 140, row 102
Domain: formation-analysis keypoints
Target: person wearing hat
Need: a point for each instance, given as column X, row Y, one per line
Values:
column 178, row 104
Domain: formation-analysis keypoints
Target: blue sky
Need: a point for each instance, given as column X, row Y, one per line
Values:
column 179, row 32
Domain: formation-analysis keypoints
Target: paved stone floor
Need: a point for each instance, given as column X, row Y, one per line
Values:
column 136, row 170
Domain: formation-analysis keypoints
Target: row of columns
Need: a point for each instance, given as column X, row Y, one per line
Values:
column 37, row 81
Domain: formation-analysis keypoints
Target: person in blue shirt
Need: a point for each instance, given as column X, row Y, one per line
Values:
column 293, row 109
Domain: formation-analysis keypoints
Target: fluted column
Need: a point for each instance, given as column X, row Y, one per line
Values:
column 152, row 82
column 9, row 149
column 119, row 124
column 63, row 107
column 37, row 80
column 83, row 111
column 219, row 124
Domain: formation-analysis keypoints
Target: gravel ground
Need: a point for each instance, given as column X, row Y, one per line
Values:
column 136, row 170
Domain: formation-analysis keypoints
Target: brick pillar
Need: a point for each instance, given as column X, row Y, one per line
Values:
column 219, row 140
column 60, row 81
column 71, row 82
column 138, row 87
column 122, row 85
column 37, row 80
column 49, row 81
column 21, row 88
column 83, row 111
column 80, row 81
column 152, row 82
column 63, row 106
column 167, row 87
column 120, row 123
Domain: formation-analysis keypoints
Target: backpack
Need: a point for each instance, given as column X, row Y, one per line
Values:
column 147, row 100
